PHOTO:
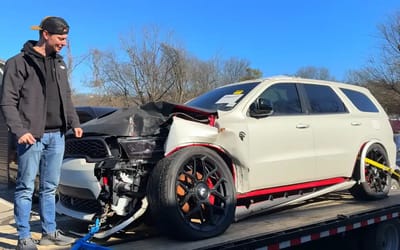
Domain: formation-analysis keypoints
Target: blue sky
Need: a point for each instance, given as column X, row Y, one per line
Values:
column 277, row 37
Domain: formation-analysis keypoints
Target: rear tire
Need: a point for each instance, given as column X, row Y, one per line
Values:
column 377, row 182
column 384, row 236
column 191, row 194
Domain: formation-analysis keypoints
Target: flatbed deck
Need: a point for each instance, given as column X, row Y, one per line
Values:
column 332, row 213
column 321, row 214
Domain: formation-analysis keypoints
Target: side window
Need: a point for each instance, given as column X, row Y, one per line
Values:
column 323, row 100
column 360, row 100
column 284, row 98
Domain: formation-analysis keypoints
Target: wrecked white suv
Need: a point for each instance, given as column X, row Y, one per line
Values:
column 234, row 151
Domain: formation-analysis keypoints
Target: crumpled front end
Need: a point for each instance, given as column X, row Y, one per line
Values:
column 105, row 173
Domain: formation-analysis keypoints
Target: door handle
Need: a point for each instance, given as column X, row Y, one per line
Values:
column 301, row 126
column 355, row 123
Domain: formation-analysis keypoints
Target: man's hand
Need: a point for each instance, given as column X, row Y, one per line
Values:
column 78, row 132
column 27, row 139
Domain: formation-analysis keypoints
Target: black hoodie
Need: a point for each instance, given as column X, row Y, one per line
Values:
column 25, row 96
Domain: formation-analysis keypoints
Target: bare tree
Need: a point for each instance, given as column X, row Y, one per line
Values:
column 207, row 75
column 390, row 52
column 152, row 68
column 202, row 76
column 319, row 73
column 110, row 76
column 176, row 81
column 385, row 66
column 234, row 69
column 73, row 62
column 381, row 75
column 251, row 74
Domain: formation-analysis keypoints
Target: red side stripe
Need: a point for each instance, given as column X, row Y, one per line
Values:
column 292, row 187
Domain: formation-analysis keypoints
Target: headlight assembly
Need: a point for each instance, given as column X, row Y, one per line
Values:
column 141, row 148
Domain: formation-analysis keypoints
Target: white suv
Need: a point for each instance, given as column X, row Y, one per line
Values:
column 236, row 150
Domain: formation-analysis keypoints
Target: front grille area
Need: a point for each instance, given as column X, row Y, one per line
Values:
column 93, row 148
column 81, row 205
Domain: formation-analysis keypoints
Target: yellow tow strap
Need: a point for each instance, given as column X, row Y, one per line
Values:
column 381, row 166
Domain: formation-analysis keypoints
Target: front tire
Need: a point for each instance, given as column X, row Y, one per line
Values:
column 395, row 184
column 191, row 194
column 377, row 181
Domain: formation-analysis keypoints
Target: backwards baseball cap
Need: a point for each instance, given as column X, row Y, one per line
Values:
column 54, row 25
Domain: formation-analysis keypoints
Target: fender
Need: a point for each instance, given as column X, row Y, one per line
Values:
column 184, row 132
column 363, row 156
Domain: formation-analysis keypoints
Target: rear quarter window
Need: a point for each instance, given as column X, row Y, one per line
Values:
column 360, row 100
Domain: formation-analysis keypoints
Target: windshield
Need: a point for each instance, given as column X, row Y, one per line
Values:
column 223, row 98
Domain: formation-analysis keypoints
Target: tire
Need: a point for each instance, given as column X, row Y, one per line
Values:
column 395, row 185
column 377, row 182
column 384, row 236
column 191, row 194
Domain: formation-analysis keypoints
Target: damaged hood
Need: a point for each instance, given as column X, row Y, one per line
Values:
column 145, row 120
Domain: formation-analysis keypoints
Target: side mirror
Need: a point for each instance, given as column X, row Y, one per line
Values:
column 261, row 108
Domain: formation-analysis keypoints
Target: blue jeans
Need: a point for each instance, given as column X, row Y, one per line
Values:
column 45, row 156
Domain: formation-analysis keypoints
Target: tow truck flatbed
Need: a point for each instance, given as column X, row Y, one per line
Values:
column 322, row 217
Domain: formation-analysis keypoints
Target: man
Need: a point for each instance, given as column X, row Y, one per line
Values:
column 37, row 106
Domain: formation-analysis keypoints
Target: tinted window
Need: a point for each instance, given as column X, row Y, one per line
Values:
column 323, row 99
column 224, row 98
column 361, row 101
column 283, row 98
